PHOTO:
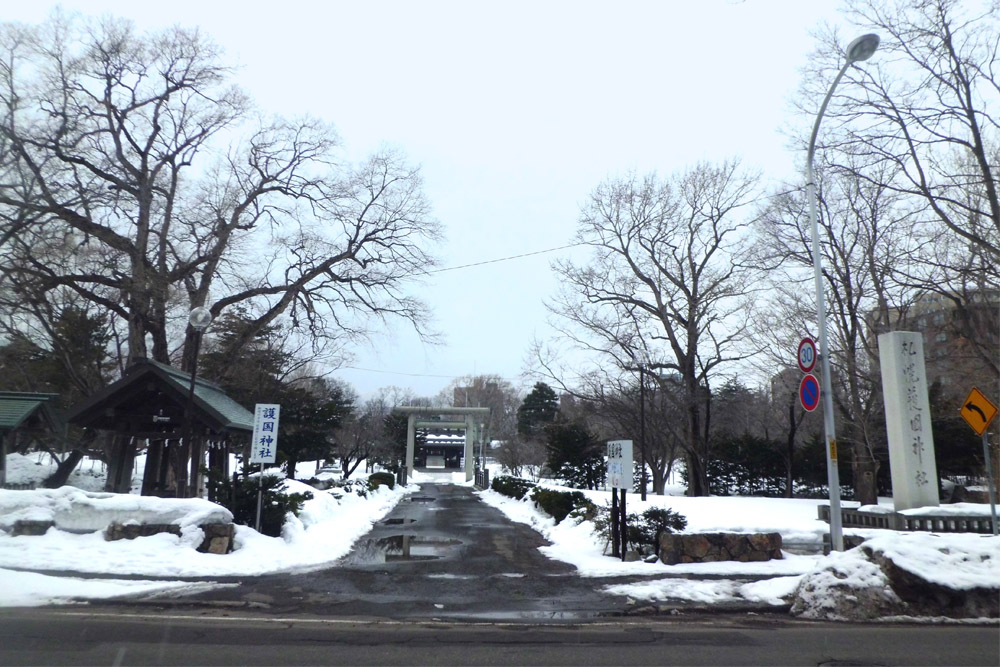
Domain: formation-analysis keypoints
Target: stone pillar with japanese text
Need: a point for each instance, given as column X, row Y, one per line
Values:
column 908, row 420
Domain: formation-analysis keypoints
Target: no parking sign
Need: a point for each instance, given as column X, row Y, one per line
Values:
column 809, row 392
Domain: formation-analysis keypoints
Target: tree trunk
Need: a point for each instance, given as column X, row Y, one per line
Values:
column 865, row 469
column 63, row 470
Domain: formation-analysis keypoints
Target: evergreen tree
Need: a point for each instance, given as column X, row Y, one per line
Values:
column 575, row 455
column 538, row 409
column 310, row 415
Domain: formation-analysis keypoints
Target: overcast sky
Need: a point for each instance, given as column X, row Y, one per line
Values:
column 515, row 111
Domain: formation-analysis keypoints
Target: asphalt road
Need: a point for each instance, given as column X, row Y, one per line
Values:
column 124, row 637
column 441, row 553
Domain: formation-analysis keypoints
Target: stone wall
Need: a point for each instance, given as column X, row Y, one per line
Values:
column 218, row 536
column 714, row 547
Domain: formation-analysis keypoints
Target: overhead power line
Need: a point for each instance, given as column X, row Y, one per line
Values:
column 502, row 259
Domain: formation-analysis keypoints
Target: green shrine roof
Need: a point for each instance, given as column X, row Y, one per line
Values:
column 17, row 406
column 144, row 381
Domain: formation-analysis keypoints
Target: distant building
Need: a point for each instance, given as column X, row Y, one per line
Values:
column 960, row 339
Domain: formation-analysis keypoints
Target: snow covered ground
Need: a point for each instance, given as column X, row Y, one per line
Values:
column 956, row 561
column 330, row 523
column 322, row 533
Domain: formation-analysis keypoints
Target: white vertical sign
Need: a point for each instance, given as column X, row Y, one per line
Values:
column 620, row 464
column 264, row 445
column 908, row 420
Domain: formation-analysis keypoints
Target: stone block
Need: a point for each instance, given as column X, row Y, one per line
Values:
column 218, row 538
column 28, row 527
column 696, row 546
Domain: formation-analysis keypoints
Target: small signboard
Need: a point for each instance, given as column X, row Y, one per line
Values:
column 978, row 411
column 807, row 355
column 809, row 392
column 620, row 464
column 264, row 446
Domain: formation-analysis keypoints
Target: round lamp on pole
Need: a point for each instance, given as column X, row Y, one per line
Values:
column 859, row 50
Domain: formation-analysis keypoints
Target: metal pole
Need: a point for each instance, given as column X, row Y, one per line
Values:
column 183, row 485
column 615, row 521
column 260, row 496
column 832, row 473
column 623, row 531
column 642, row 431
column 989, row 479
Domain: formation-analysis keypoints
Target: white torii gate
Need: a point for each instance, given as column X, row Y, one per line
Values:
column 469, row 424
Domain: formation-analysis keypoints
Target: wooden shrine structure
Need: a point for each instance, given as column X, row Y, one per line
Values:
column 145, row 410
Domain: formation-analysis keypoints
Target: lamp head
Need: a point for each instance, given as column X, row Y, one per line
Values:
column 200, row 318
column 862, row 48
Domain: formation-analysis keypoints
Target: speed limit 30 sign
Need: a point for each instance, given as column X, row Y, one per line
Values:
column 807, row 355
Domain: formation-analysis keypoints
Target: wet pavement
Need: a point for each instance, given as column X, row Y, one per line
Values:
column 441, row 553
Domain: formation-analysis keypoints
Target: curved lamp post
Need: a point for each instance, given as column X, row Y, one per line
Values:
column 199, row 318
column 859, row 50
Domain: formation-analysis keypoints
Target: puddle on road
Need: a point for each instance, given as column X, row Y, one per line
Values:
column 399, row 548
column 396, row 522
column 419, row 499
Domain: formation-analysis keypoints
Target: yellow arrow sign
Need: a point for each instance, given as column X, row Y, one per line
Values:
column 978, row 411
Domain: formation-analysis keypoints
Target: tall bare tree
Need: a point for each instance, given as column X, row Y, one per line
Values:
column 866, row 237
column 664, row 280
column 136, row 152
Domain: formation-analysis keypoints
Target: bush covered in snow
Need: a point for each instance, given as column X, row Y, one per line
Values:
column 512, row 487
column 240, row 497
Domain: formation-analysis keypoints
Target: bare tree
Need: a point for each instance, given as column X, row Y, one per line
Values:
column 925, row 106
column 866, row 237
column 664, row 280
column 137, row 152
column 920, row 119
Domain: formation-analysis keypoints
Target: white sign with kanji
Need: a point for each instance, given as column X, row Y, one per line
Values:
column 912, row 463
column 264, row 446
column 620, row 464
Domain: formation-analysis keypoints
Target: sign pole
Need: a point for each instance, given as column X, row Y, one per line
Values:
column 260, row 496
column 989, row 479
column 615, row 520
column 623, row 531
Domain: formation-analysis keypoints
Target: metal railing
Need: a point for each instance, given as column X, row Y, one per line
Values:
column 955, row 523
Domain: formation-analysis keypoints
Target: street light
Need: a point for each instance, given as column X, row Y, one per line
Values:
column 199, row 318
column 860, row 49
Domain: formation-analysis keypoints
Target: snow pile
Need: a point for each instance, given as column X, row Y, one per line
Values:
column 775, row 591
column 906, row 574
column 88, row 475
column 30, row 589
column 86, row 511
column 323, row 532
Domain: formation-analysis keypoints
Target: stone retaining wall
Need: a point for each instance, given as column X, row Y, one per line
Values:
column 218, row 536
column 714, row 547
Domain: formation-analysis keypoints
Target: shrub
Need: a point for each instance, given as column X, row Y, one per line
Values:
column 240, row 498
column 643, row 530
column 559, row 504
column 512, row 487
column 359, row 487
column 377, row 479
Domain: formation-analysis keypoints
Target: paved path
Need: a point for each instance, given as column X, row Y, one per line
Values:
column 441, row 553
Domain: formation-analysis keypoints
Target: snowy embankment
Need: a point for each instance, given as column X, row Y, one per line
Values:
column 323, row 532
column 957, row 565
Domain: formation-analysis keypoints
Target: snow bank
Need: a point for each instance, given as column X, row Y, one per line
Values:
column 323, row 532
column 77, row 510
column 89, row 475
column 905, row 574
column 31, row 589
